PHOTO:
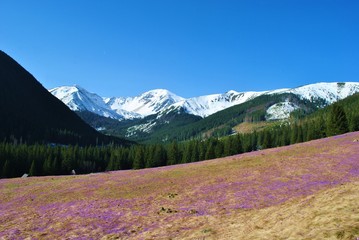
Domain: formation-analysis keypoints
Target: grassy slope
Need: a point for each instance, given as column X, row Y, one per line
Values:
column 304, row 191
column 247, row 127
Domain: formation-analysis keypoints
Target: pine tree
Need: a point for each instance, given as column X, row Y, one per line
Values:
column 6, row 171
column 33, row 169
column 337, row 121
column 173, row 153
column 227, row 146
column 300, row 135
column 47, row 166
column 294, row 134
column 187, row 153
column 210, row 154
column 267, row 140
column 218, row 151
column 112, row 162
column 139, row 161
column 195, row 152
column 354, row 123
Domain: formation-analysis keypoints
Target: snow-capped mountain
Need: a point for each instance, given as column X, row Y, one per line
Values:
column 162, row 101
column 330, row 92
column 148, row 103
column 323, row 93
column 79, row 99
column 204, row 106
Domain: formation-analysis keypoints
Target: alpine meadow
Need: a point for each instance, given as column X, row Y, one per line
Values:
column 179, row 120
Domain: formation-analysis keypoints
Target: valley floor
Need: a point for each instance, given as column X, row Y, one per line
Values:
column 304, row 191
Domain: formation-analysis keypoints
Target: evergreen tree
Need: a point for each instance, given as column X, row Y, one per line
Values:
column 294, row 134
column 47, row 166
column 173, row 153
column 300, row 135
column 112, row 163
column 337, row 121
column 210, row 154
column 227, row 146
column 218, row 151
column 267, row 140
column 6, row 171
column 187, row 153
column 195, row 152
column 139, row 160
column 33, row 169
column 354, row 123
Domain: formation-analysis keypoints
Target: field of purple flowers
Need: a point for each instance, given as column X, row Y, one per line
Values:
column 181, row 201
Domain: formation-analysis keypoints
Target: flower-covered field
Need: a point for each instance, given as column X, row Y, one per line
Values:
column 304, row 191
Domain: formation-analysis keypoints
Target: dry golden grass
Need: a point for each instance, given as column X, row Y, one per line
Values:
column 330, row 214
column 247, row 127
column 304, row 191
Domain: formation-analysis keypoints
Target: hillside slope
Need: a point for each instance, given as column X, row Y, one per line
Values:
column 29, row 113
column 303, row 191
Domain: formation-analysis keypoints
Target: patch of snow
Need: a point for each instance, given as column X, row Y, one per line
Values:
column 146, row 127
column 280, row 110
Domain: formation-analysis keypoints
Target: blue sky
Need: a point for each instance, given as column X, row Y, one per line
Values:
column 190, row 47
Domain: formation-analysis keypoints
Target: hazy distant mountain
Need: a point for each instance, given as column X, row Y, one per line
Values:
column 29, row 113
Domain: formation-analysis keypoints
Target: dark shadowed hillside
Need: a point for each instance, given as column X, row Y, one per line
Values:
column 29, row 113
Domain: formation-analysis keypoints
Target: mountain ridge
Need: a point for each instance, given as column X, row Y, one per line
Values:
column 161, row 100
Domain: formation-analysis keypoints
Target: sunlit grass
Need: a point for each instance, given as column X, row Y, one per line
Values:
column 305, row 191
column 248, row 127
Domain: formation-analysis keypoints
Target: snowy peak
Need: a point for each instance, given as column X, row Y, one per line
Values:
column 148, row 103
column 330, row 92
column 322, row 93
column 78, row 99
column 206, row 105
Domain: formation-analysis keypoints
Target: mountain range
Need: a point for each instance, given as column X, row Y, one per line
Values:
column 162, row 115
column 161, row 101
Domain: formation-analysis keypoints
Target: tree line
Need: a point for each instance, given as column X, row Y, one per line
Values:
column 51, row 159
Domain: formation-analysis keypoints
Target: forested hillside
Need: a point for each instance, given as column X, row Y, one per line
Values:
column 30, row 114
column 16, row 160
column 180, row 126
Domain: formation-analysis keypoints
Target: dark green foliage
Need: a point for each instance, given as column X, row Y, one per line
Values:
column 354, row 122
column 173, row 153
column 7, row 170
column 29, row 113
column 337, row 121
column 33, row 169
column 139, row 160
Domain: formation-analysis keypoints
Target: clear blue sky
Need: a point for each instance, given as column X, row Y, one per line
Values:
column 190, row 47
